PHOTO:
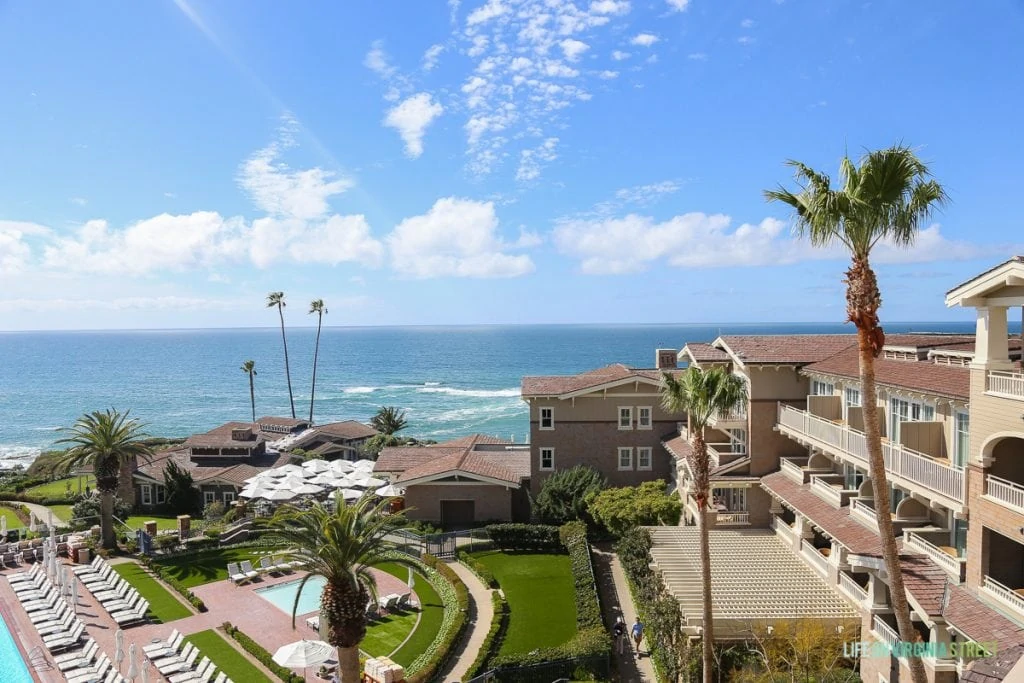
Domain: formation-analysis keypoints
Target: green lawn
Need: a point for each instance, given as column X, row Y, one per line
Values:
column 12, row 519
column 431, row 614
column 228, row 659
column 195, row 570
column 59, row 488
column 162, row 523
column 62, row 512
column 163, row 606
column 541, row 598
column 384, row 635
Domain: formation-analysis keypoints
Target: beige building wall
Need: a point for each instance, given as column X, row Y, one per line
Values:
column 491, row 502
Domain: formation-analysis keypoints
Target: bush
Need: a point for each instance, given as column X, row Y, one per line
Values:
column 455, row 598
column 485, row 575
column 621, row 509
column 495, row 635
column 214, row 512
column 588, row 606
column 166, row 541
column 564, row 495
column 86, row 509
column 264, row 657
column 525, row 537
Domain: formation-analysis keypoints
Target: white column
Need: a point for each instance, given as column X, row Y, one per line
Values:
column 990, row 345
column 940, row 639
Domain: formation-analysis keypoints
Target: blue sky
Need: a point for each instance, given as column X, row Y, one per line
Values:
column 166, row 164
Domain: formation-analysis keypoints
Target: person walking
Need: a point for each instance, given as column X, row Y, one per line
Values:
column 638, row 634
column 619, row 632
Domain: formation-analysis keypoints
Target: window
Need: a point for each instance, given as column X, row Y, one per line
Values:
column 229, row 497
column 209, row 497
column 960, row 537
column 729, row 500
column 643, row 417
column 625, row 458
column 902, row 410
column 819, row 388
column 852, row 477
column 962, row 447
column 896, row 497
column 547, row 458
column 147, row 494
column 625, row 418
column 851, row 399
column 547, row 418
column 643, row 458
column 161, row 494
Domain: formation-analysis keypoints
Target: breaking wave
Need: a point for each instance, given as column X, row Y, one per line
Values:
column 472, row 393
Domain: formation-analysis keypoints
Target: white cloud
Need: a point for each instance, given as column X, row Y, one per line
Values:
column 619, row 55
column 530, row 160
column 14, row 249
column 678, row 5
column 411, row 118
column 142, row 303
column 653, row 59
column 746, row 40
column 698, row 56
column 456, row 238
column 609, row 7
column 747, row 23
column 644, row 39
column 573, row 48
column 377, row 60
column 339, row 239
column 645, row 194
column 170, row 195
column 492, row 10
column 608, row 75
column 431, row 56
column 79, row 201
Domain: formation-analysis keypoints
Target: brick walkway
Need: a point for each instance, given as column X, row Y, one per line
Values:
column 611, row 581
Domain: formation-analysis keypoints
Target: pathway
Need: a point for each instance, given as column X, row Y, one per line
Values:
column 42, row 513
column 481, row 614
column 615, row 596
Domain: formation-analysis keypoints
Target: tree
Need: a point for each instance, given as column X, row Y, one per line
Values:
column 701, row 394
column 277, row 299
column 389, row 420
column 339, row 542
column 799, row 650
column 249, row 368
column 621, row 509
column 315, row 306
column 564, row 495
column 106, row 440
column 183, row 498
column 86, row 510
column 886, row 197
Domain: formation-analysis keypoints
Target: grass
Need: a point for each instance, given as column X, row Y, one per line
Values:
column 61, row 512
column 384, row 635
column 541, row 598
column 59, row 488
column 162, row 523
column 12, row 519
column 227, row 659
column 163, row 605
column 431, row 614
column 195, row 570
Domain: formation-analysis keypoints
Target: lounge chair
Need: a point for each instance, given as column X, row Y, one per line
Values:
column 131, row 617
column 94, row 566
column 266, row 566
column 59, row 643
column 28, row 555
column 49, row 615
column 313, row 623
column 128, row 603
column 236, row 575
column 89, row 673
column 404, row 600
column 247, row 569
column 115, row 592
column 85, row 651
column 10, row 559
column 189, row 676
column 282, row 566
column 44, row 605
column 173, row 639
column 372, row 610
column 180, row 665
column 60, row 626
column 24, row 576
column 221, row 678
column 176, row 657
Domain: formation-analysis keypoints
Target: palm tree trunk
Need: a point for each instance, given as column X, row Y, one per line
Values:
column 701, row 484
column 863, row 301
column 348, row 664
column 287, row 370
column 252, row 396
column 316, row 353
column 108, row 537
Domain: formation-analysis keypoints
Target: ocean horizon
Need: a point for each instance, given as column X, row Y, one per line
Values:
column 450, row 379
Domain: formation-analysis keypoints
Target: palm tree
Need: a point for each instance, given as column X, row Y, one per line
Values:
column 887, row 196
column 277, row 299
column 389, row 420
column 107, row 440
column 316, row 306
column 701, row 394
column 249, row 367
column 339, row 542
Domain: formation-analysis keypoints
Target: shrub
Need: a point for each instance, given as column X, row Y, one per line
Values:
column 87, row 509
column 525, row 537
column 485, row 575
column 495, row 635
column 564, row 496
column 166, row 541
column 621, row 509
column 588, row 606
column 264, row 657
column 455, row 598
column 214, row 512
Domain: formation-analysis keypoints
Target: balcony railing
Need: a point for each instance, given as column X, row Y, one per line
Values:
column 826, row 491
column 724, row 453
column 856, row 591
column 953, row 565
column 886, row 633
column 864, row 510
column 733, row 519
column 735, row 415
column 1005, row 383
column 815, row 558
column 1004, row 491
column 900, row 461
column 792, row 469
column 1006, row 595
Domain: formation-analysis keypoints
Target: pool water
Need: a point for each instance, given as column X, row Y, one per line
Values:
column 13, row 666
column 282, row 596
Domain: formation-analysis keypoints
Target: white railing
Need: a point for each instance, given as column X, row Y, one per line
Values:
column 1006, row 595
column 1005, row 383
column 887, row 634
column 935, row 553
column 1004, row 491
column 732, row 518
column 899, row 460
column 826, row 491
column 781, row 527
column 860, row 509
column 817, row 560
column 718, row 452
column 858, row 593
column 795, row 471
column 735, row 415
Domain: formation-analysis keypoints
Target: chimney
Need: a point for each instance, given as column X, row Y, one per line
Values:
column 242, row 434
column 666, row 359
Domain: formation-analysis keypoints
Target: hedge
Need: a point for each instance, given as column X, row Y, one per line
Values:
column 38, row 500
column 20, row 511
column 184, row 592
column 588, row 607
column 264, row 657
column 495, row 635
column 485, row 575
column 525, row 537
column 455, row 598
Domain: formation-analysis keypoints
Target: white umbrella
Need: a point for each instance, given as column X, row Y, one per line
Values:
column 255, row 492
column 411, row 579
column 303, row 654
column 278, row 494
column 307, row 489
column 290, row 469
column 118, row 649
column 368, row 482
column 348, row 494
column 326, row 479
column 145, row 672
column 316, row 466
column 390, row 491
column 341, row 466
column 74, row 595
column 289, row 482
column 3, row 526
column 365, row 465
column 133, row 663
column 62, row 572
column 276, row 472
column 32, row 522
column 262, row 476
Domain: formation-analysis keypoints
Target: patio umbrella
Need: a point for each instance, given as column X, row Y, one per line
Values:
column 350, row 494
column 133, row 663
column 368, row 482
column 145, row 672
column 341, row 466
column 307, row 489
column 365, row 465
column 316, row 466
column 303, row 654
column 289, row 482
column 118, row 649
column 257, row 491
column 327, row 478
column 278, row 494
column 74, row 595
column 390, row 491
column 291, row 469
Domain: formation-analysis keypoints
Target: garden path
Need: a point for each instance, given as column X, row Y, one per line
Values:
column 481, row 613
column 615, row 597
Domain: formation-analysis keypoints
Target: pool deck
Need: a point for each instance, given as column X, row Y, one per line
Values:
column 255, row 616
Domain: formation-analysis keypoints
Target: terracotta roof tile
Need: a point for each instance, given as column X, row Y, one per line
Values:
column 235, row 474
column 924, row 376
column 347, row 429
column 786, row 348
column 994, row 669
column 466, row 454
column 978, row 621
column 221, row 437
column 282, row 421
column 702, row 352
column 556, row 385
column 925, row 581
column 926, row 340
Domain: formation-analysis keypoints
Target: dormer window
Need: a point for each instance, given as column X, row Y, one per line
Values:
column 547, row 418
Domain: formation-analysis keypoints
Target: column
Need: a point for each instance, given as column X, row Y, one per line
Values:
column 991, row 350
column 877, row 593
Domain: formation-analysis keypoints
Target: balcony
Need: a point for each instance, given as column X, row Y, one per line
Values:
column 1006, row 384
column 887, row 634
column 783, row 530
column 830, row 488
column 1008, row 596
column 733, row 519
column 858, row 593
column 725, row 452
column 930, row 543
column 799, row 471
column 733, row 419
column 814, row 557
column 1004, row 491
column 903, row 463
column 863, row 510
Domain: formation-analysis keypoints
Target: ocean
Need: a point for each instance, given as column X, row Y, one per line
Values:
column 451, row 381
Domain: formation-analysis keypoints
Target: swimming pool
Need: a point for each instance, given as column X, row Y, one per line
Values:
column 14, row 667
column 282, row 596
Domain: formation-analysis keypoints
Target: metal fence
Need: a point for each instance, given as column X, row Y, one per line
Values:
column 443, row 545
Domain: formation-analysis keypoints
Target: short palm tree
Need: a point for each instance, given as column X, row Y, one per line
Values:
column 316, row 306
column 701, row 394
column 886, row 197
column 389, row 420
column 107, row 440
column 339, row 542
column 249, row 368
column 277, row 299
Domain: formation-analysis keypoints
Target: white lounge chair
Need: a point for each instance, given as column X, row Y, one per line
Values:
column 20, row 577
column 189, row 676
column 89, row 673
column 47, row 604
column 60, row 626
column 173, row 639
column 178, row 657
column 282, row 566
column 54, row 614
column 131, row 617
column 77, row 660
column 124, row 604
column 180, row 665
column 236, row 575
column 247, row 569
column 266, row 566
column 94, row 566
column 59, row 643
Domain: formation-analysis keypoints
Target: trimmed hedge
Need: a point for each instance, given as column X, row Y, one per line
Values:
column 495, row 635
column 20, row 511
column 455, row 598
column 588, row 607
column 525, row 537
column 38, row 500
column 485, row 575
column 184, row 592
column 264, row 657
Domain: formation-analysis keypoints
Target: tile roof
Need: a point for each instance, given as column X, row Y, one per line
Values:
column 927, row 340
column 281, row 421
column 786, row 348
column 978, row 621
column 999, row 667
column 459, row 455
column 556, row 385
column 702, row 352
column 925, row 581
column 347, row 429
column 221, row 437
column 924, row 376
column 235, row 473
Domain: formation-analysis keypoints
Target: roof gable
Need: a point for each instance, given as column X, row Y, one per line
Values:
column 1008, row 274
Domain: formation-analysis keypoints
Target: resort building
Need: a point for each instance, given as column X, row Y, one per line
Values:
column 335, row 440
column 461, row 482
column 610, row 419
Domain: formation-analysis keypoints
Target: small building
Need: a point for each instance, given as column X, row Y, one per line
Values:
column 335, row 440
column 462, row 482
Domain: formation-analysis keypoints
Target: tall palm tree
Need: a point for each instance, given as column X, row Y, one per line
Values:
column 316, row 306
column 389, row 420
column 887, row 196
column 277, row 299
column 249, row 367
column 107, row 440
column 701, row 394
column 339, row 542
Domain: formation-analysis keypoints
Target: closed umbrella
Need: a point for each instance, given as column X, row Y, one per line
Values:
column 3, row 526
column 32, row 522
column 133, row 663
column 62, row 572
column 303, row 654
column 74, row 595
column 411, row 579
column 118, row 649
column 145, row 672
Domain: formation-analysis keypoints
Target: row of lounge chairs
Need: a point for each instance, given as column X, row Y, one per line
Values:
column 244, row 572
column 176, row 661
column 119, row 598
column 16, row 558
column 376, row 608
